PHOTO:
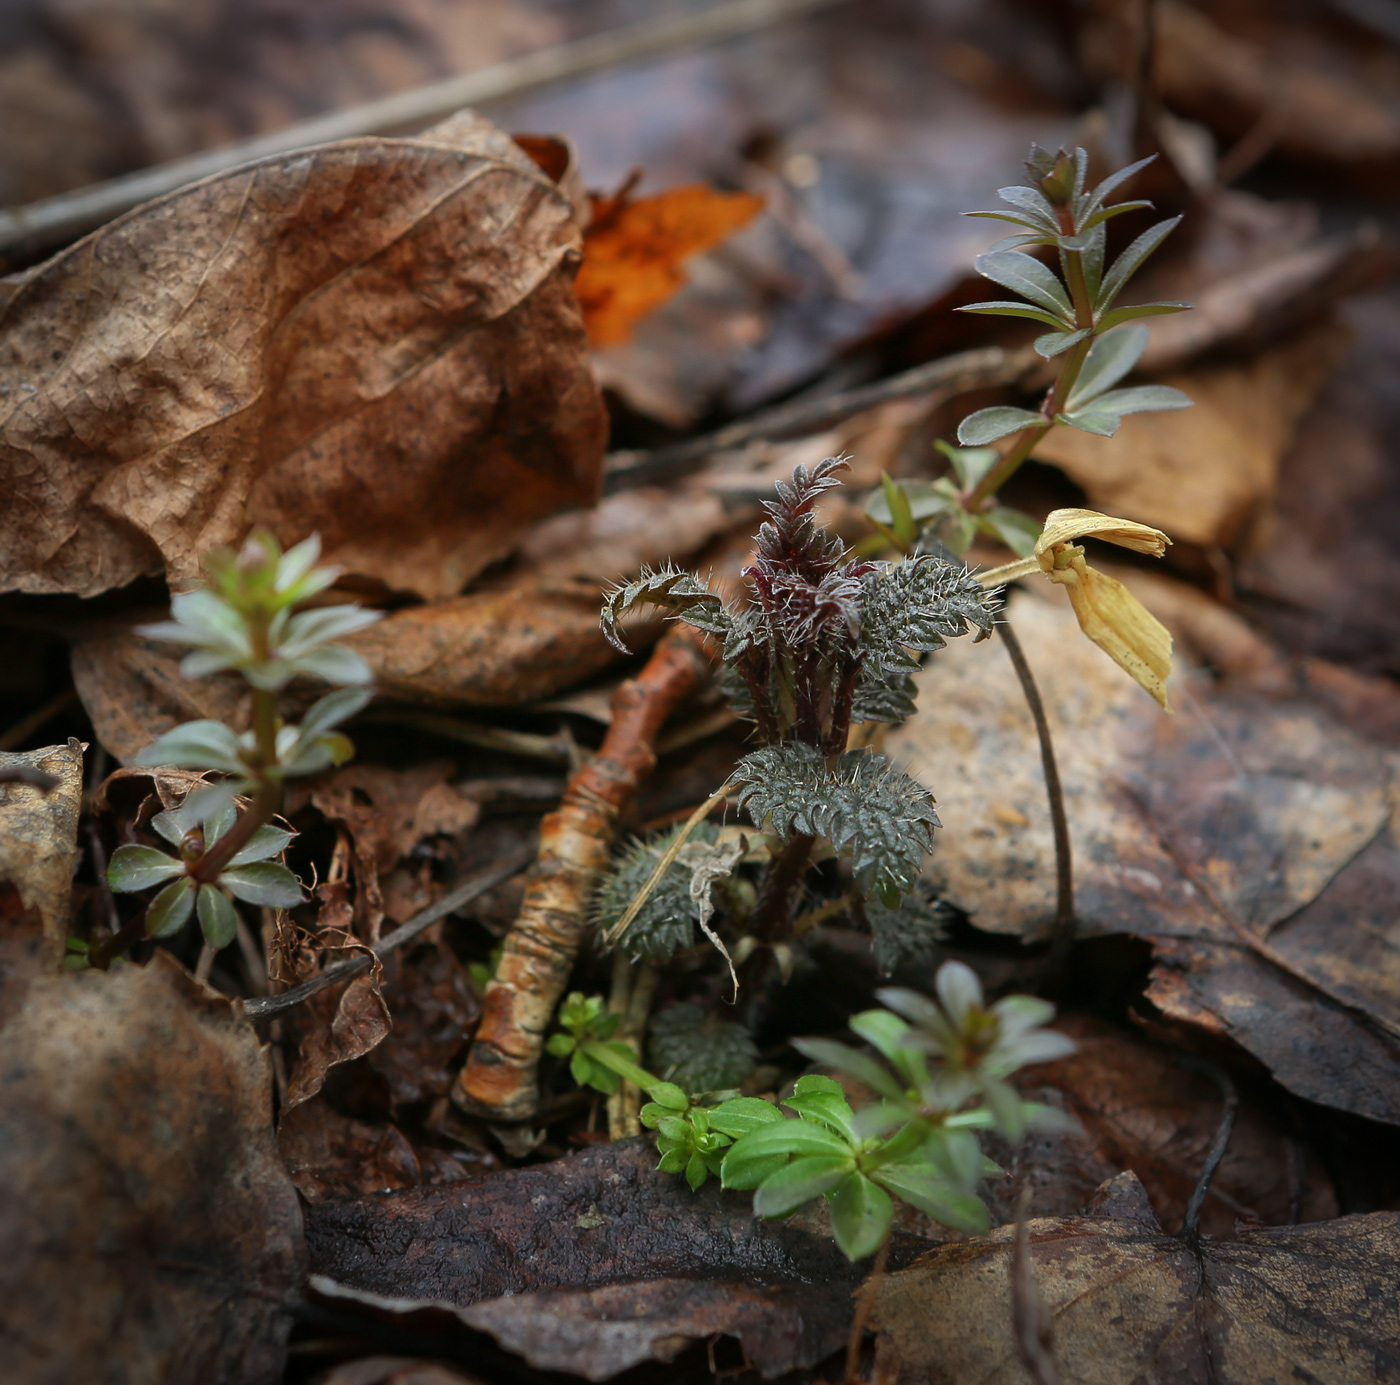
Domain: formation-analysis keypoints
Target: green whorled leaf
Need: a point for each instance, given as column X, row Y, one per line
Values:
column 309, row 629
column 1017, row 530
column 969, row 464
column 1108, row 213
column 1104, row 414
column 919, row 1186
column 1007, row 1108
column 1111, row 357
column 999, row 307
column 827, row 1108
column 741, row 1114
column 1032, row 204
column 956, row 1155
column 800, row 1181
column 1119, row 316
column 696, row 1171
column 332, row 663
column 673, row 1160
column 1130, row 261
column 139, row 867
column 674, row 590
column 265, row 884
column 699, row 1051
column 206, row 620
column 1015, row 219
column 265, row 843
column 668, row 1094
column 1091, row 259
column 1026, row 275
column 901, row 516
column 1096, row 199
column 883, row 1031
column 217, row 919
column 334, row 708
column 195, row 745
column 861, row 1214
column 1051, row 344
column 561, row 1045
column 817, row 1082
column 987, row 425
column 296, row 564
column 171, row 908
column 312, row 755
column 791, row 1137
column 853, row 1062
column 747, row 1169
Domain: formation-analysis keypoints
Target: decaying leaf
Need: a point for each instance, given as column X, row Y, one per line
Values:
column 394, row 1370
column 522, row 636
column 330, row 1155
column 148, row 1230
column 1141, row 1111
column 39, row 834
column 1129, row 1303
column 1248, row 838
column 633, row 250
column 521, row 1255
column 410, row 380
column 1204, row 474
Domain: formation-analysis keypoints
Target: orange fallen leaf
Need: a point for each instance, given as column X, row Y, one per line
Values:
column 632, row 251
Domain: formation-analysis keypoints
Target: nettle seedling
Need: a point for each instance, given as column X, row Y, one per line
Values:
column 245, row 617
column 827, row 639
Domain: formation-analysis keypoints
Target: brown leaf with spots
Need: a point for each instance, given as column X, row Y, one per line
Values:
column 1130, row 1303
column 1250, row 838
column 633, row 249
column 377, row 340
column 147, row 1230
column 39, row 835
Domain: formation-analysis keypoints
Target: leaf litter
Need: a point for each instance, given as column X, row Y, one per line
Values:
column 1248, row 843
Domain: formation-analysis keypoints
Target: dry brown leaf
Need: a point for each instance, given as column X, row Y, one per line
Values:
column 1204, row 474
column 593, row 1264
column 1129, row 1303
column 632, row 251
column 1248, row 838
column 410, row 381
column 148, row 1230
column 39, row 835
column 523, row 636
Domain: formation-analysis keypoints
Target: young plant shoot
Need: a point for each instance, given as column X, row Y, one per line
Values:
column 826, row 640
column 245, row 617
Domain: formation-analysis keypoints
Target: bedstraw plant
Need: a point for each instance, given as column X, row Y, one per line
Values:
column 250, row 615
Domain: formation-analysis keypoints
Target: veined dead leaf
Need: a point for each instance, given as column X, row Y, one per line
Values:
column 376, row 339
column 1129, row 1303
column 632, row 251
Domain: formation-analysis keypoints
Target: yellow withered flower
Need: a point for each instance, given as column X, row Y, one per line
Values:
column 1107, row 611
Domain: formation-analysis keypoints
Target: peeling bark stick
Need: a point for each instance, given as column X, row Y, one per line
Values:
column 499, row 1078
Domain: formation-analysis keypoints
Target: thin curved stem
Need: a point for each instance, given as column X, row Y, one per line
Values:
column 1064, row 864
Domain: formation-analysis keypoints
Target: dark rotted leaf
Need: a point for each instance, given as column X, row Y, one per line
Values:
column 1130, row 1303
column 331, row 1156
column 522, row 1252
column 148, row 1230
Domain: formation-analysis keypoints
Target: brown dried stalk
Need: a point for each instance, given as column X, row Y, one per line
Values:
column 575, row 840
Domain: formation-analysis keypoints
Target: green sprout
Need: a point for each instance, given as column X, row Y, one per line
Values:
column 942, row 1079
column 245, row 617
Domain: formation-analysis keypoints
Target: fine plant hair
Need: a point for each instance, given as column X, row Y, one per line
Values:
column 246, row 616
column 826, row 639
